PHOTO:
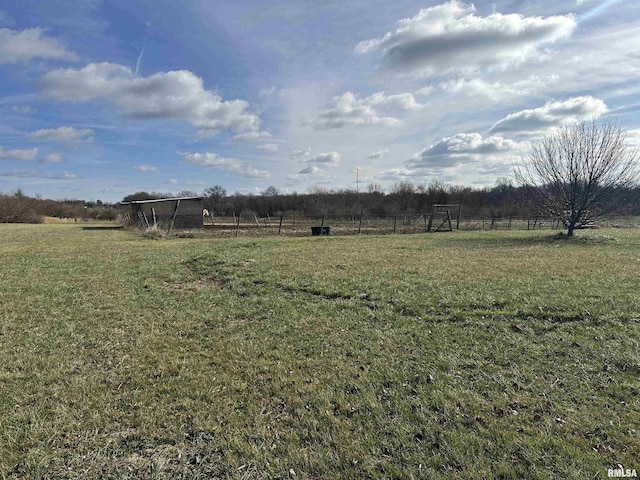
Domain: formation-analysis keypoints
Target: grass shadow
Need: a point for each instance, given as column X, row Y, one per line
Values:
column 556, row 239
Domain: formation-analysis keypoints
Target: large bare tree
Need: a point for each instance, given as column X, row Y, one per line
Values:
column 581, row 172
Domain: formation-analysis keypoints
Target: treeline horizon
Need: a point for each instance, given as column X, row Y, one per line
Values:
column 502, row 200
column 16, row 207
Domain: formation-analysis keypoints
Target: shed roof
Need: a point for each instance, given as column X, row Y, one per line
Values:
column 160, row 200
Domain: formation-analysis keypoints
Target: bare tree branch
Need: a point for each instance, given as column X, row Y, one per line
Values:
column 580, row 173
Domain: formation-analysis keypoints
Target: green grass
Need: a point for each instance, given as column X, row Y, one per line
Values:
column 460, row 355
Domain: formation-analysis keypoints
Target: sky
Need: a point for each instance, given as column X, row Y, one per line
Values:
column 100, row 99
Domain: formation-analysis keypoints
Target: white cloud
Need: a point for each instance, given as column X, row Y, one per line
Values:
column 267, row 92
column 552, row 114
column 350, row 109
column 37, row 174
column 213, row 160
column 54, row 157
column 311, row 170
column 378, row 154
column 331, row 159
column 450, row 37
column 146, row 168
column 296, row 154
column 22, row 155
column 31, row 43
column 62, row 134
column 268, row 147
column 172, row 181
column 464, row 148
column 178, row 95
column 250, row 136
column 308, row 171
column 23, row 109
column 396, row 175
column 498, row 90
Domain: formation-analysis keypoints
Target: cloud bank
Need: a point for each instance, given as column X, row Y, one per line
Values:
column 178, row 95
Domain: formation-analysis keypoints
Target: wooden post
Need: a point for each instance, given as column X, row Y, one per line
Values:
column 483, row 223
column 237, row 225
column 255, row 217
column 509, row 223
column 458, row 218
column 322, row 225
column 395, row 220
column 360, row 224
column 153, row 211
column 234, row 217
column 293, row 223
column 280, row 226
column 173, row 219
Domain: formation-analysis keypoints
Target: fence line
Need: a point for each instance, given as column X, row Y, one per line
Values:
column 362, row 223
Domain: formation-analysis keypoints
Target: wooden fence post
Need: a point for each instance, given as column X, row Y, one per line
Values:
column 238, row 224
column 360, row 224
column 280, row 226
column 395, row 219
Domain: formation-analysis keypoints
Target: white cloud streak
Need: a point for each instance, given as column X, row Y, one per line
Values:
column 21, row 46
column 37, row 174
column 551, row 115
column 329, row 159
column 213, row 160
column 268, row 147
column 21, row 155
column 350, row 109
column 53, row 157
column 464, row 148
column 450, row 37
column 146, row 168
column 62, row 134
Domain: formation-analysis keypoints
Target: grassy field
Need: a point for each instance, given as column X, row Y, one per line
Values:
column 504, row 354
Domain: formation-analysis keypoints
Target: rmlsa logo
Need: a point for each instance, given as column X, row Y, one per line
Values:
column 622, row 472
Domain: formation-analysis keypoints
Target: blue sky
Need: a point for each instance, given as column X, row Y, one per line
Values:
column 99, row 99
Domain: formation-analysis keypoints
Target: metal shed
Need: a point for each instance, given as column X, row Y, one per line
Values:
column 182, row 212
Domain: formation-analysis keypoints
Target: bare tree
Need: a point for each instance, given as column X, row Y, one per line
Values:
column 580, row 173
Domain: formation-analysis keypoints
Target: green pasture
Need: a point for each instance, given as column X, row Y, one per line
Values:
column 497, row 355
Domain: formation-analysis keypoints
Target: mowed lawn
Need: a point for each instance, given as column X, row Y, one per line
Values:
column 452, row 355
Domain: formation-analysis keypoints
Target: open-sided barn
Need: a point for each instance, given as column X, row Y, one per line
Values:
column 183, row 212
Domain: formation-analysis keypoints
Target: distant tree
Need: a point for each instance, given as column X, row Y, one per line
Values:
column 216, row 192
column 187, row 193
column 580, row 173
column 138, row 196
column 404, row 193
column 213, row 197
column 270, row 192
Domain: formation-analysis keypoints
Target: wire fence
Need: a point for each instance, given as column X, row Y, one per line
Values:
column 306, row 225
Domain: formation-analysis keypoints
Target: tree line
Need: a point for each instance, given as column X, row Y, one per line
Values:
column 16, row 207
column 502, row 200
